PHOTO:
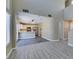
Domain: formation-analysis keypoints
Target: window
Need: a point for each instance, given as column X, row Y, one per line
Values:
column 7, row 28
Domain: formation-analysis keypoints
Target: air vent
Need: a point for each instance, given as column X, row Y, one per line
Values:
column 25, row 10
column 49, row 15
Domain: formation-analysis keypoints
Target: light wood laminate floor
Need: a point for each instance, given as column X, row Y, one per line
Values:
column 24, row 42
column 44, row 50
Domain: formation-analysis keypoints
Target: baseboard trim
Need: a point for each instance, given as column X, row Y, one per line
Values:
column 53, row 40
column 70, row 44
column 50, row 39
column 9, row 53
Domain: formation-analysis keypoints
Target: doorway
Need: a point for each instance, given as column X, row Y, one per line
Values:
column 67, row 27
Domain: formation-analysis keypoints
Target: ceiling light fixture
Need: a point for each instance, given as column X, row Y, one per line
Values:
column 32, row 21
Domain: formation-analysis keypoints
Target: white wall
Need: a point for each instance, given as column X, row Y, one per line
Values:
column 68, row 13
column 61, row 29
column 59, row 17
column 27, row 18
column 65, row 14
column 40, row 7
column 49, row 29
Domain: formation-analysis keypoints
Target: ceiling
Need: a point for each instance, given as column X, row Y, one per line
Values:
column 39, row 7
